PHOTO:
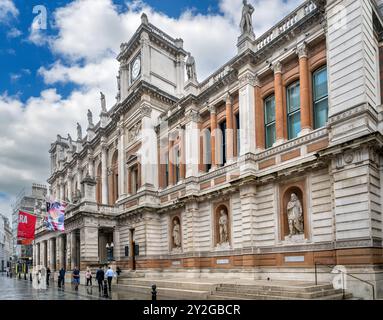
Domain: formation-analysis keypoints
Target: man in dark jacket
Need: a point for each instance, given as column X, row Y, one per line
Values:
column 100, row 274
column 61, row 277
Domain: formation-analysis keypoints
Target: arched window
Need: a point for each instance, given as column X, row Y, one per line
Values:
column 320, row 97
column 207, row 149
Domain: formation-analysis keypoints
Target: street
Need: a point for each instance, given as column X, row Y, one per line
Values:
column 20, row 289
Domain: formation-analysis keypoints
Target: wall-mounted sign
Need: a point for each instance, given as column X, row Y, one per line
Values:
column 295, row 259
column 222, row 261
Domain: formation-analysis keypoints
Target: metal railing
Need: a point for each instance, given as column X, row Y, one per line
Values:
column 343, row 275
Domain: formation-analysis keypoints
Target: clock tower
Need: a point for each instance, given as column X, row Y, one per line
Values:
column 152, row 57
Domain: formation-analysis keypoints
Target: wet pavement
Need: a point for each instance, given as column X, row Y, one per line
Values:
column 20, row 289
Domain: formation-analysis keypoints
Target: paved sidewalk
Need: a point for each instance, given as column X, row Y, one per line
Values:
column 20, row 289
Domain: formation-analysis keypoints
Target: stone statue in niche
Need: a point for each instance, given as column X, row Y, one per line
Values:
column 176, row 234
column 246, row 23
column 103, row 103
column 190, row 67
column 223, row 229
column 295, row 216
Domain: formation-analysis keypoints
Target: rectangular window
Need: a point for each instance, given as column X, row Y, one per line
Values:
column 177, row 165
column 270, row 133
column 167, row 171
column 293, row 110
column 222, row 127
column 207, row 145
column 238, row 136
column 320, row 94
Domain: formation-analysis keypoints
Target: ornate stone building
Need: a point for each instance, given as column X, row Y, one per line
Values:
column 270, row 165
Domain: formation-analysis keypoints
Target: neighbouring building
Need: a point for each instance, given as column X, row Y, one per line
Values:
column 5, row 243
column 271, row 165
column 30, row 202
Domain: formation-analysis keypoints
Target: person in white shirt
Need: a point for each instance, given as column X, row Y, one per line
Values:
column 109, row 274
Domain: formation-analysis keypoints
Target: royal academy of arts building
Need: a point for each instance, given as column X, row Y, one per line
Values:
column 271, row 167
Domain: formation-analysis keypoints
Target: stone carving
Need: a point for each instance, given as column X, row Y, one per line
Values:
column 76, row 196
column 190, row 67
column 103, row 102
column 302, row 50
column 246, row 23
column 295, row 215
column 176, row 234
column 223, row 234
column 79, row 132
column 134, row 132
column 118, row 86
column 90, row 119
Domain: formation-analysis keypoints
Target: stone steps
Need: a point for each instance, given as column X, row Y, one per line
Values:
column 186, row 285
column 164, row 293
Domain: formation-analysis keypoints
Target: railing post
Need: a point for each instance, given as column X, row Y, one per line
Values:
column 316, row 277
column 154, row 292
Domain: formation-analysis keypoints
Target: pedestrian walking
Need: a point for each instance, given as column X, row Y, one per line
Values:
column 76, row 277
column 109, row 275
column 88, row 276
column 100, row 274
column 48, row 275
column 61, row 277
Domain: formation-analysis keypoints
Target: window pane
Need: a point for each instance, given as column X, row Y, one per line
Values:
column 270, row 135
column 320, row 113
column 320, row 84
column 294, row 123
column 293, row 98
column 269, row 110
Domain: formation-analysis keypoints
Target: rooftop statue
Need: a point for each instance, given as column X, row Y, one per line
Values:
column 246, row 24
column 90, row 119
column 190, row 67
column 103, row 102
column 79, row 132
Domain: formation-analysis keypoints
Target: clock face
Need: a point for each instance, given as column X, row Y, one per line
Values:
column 136, row 68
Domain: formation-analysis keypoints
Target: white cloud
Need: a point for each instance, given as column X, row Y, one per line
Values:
column 88, row 38
column 8, row 10
column 14, row 33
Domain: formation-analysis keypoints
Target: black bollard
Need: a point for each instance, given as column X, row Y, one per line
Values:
column 106, row 289
column 10, row 274
column 25, row 276
column 30, row 277
column 154, row 292
column 19, row 275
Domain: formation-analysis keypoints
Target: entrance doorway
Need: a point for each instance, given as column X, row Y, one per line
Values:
column 133, row 249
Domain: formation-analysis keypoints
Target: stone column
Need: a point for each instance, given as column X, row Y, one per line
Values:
column 104, row 174
column 68, row 253
column 121, row 160
column 247, row 112
column 89, row 247
column 70, row 187
column 62, row 190
column 304, row 89
column 52, row 254
column 213, row 130
column 190, row 232
column 49, row 253
column 259, row 117
column 229, row 129
column 124, row 74
column 42, row 253
column 145, row 56
column 181, row 147
column 90, row 165
column 35, row 254
column 117, row 244
column 279, row 112
column 192, row 143
column 73, row 250
column 59, row 253
column 148, row 150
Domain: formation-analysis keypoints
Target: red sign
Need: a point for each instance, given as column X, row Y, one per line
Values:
column 26, row 226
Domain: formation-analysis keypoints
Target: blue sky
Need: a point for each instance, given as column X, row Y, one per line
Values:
column 20, row 59
column 49, row 78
